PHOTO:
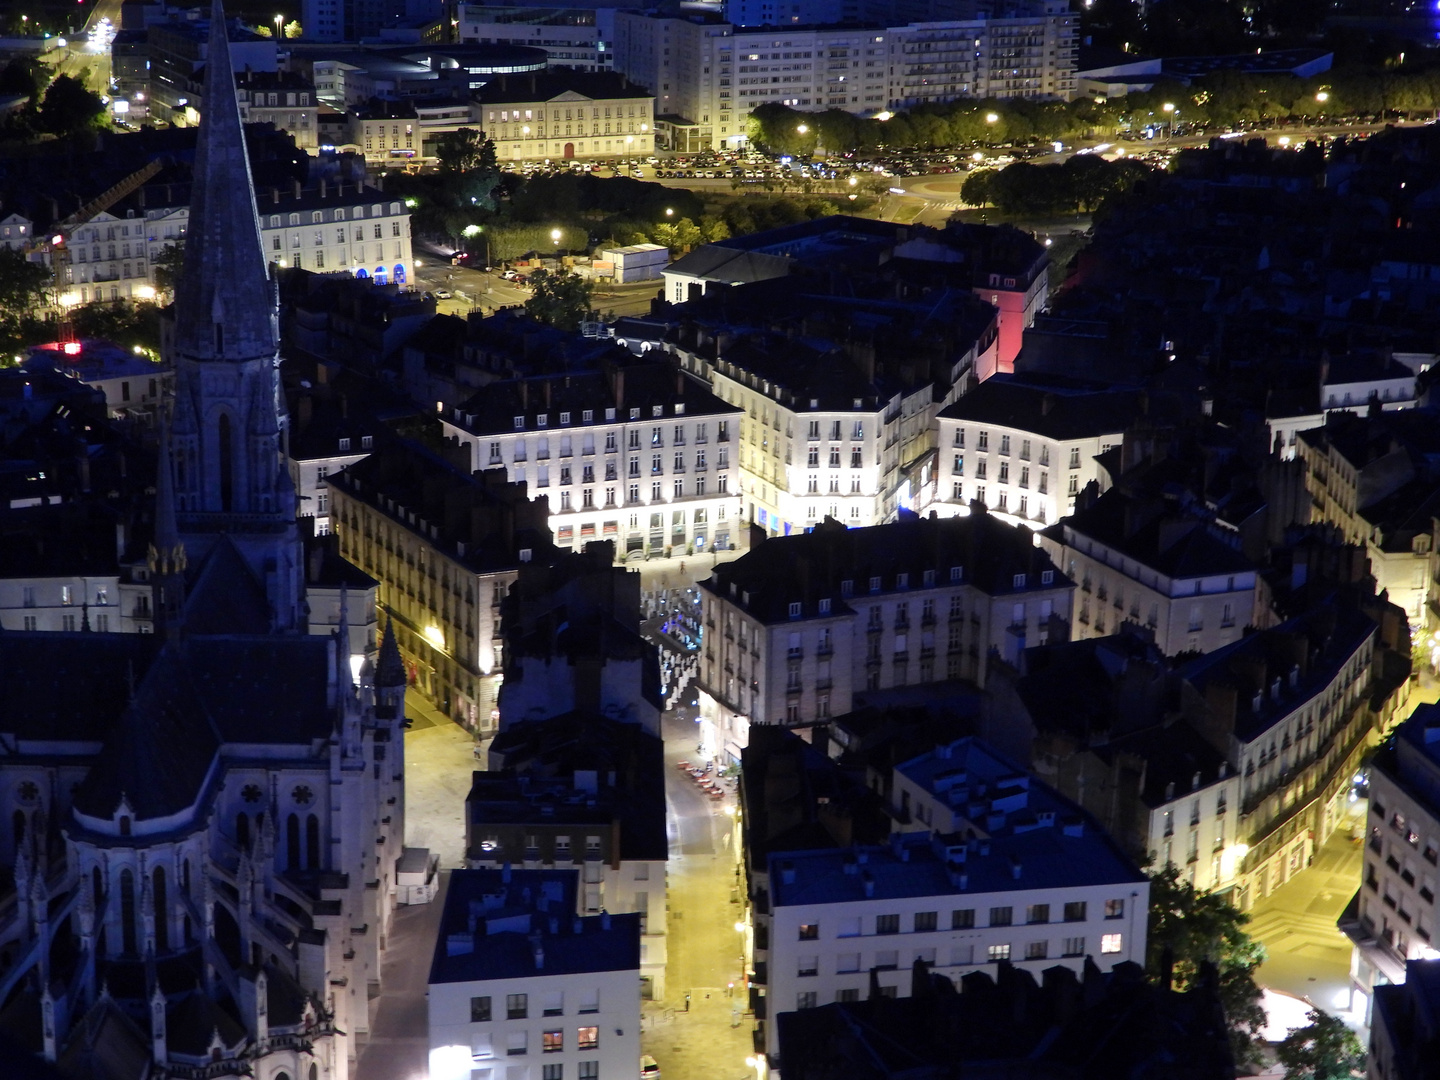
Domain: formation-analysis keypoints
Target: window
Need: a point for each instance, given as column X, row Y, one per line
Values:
column 1072, row 946
column 552, row 1042
column 552, row 1072
column 847, row 995
column 925, row 921
column 1111, row 943
column 846, row 962
column 1114, row 909
column 809, row 931
column 554, row 1003
column 887, row 924
column 806, row 999
column 517, row 1043
column 807, row 966
column 997, row 953
column 1001, row 916
column 962, row 919
column 887, row 959
column 589, row 1070
column 479, row 1010
column 1075, row 911
column 587, row 1038
column 516, row 1006
column 1037, row 913
column 1037, row 950
column 481, row 1045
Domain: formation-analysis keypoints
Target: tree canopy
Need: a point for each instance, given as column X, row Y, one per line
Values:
column 69, row 107
column 1196, row 927
column 1325, row 1049
column 559, row 300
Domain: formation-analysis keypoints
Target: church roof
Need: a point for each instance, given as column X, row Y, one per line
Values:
column 158, row 757
column 106, row 1045
column 191, row 1021
column 224, row 301
column 227, row 597
column 69, row 687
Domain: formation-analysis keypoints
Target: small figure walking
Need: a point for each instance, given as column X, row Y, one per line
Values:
column 687, row 1001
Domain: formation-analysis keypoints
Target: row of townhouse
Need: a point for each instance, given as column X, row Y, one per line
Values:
column 327, row 226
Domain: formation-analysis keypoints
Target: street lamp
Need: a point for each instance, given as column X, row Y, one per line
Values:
column 803, row 129
column 669, row 211
column 629, row 140
column 1322, row 97
column 1170, row 114
column 991, row 117
column 279, row 27
column 555, row 238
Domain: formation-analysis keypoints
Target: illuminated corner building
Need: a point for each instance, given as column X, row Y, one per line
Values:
column 636, row 452
column 445, row 545
column 520, row 975
column 1299, row 705
column 1392, row 920
column 799, row 625
column 284, row 99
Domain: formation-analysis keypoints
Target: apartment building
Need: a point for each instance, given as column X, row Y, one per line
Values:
column 1393, row 919
column 798, row 626
column 1371, row 477
column 522, row 985
column 1299, row 705
column 1155, row 562
column 393, row 133
column 324, row 440
column 581, row 791
column 986, row 865
column 282, row 98
column 1026, row 448
column 445, row 545
column 637, row 453
column 564, row 115
column 327, row 226
column 708, row 74
column 579, row 38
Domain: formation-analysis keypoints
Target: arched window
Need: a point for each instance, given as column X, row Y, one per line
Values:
column 242, row 831
column 314, row 1071
column 292, row 842
column 312, row 842
column 185, row 877
column 380, row 275
column 400, row 273
column 227, row 463
column 97, row 884
column 162, row 912
column 127, row 912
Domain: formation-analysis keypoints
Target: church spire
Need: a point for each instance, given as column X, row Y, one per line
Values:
column 167, row 553
column 224, row 300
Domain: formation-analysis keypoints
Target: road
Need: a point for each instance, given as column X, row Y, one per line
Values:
column 476, row 290
column 78, row 60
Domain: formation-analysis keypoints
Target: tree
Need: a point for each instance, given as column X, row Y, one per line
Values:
column 22, row 285
column 1323, row 1050
column 168, row 264
column 69, row 107
column 559, row 300
column 464, row 150
column 1197, row 927
column 679, row 237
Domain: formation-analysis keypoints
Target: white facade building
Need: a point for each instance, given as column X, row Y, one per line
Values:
column 1024, row 449
column 707, row 74
column 642, row 455
column 1037, row 885
column 521, row 985
column 799, row 625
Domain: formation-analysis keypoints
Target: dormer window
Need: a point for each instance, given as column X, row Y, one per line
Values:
column 519, row 423
column 345, row 445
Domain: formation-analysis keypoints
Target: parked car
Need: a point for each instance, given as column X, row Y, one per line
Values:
column 441, row 294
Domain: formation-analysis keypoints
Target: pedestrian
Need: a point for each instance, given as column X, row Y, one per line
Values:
column 687, row 1001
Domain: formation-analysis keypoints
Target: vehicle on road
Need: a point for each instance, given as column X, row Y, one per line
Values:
column 442, row 294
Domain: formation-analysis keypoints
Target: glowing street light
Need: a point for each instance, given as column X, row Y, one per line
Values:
column 470, row 230
column 555, row 237
column 853, row 181
column 1322, row 97
column 991, row 117
column 803, row 129
column 279, row 27
column 883, row 116
column 669, row 211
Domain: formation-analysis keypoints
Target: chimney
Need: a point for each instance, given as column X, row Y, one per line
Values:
column 324, row 188
column 275, row 196
column 868, row 880
column 538, row 951
column 297, row 188
column 1015, row 867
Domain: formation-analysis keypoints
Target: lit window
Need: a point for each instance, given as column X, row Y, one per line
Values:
column 1111, row 943
column 587, row 1038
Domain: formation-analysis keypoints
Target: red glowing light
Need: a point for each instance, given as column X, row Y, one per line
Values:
column 71, row 348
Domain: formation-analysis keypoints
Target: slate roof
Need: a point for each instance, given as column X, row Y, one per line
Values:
column 812, row 566
column 1054, row 410
column 729, row 265
column 1157, row 533
column 68, row 687
column 546, row 86
column 481, row 900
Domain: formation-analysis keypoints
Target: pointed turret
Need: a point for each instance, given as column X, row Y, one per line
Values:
column 389, row 677
column 167, row 553
column 224, row 301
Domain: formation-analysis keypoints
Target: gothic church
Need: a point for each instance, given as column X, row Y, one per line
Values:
column 203, row 822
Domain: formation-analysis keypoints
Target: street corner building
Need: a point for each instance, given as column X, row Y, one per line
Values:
column 205, row 818
column 522, row 985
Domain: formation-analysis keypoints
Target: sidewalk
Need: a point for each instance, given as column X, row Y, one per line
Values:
column 439, row 761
